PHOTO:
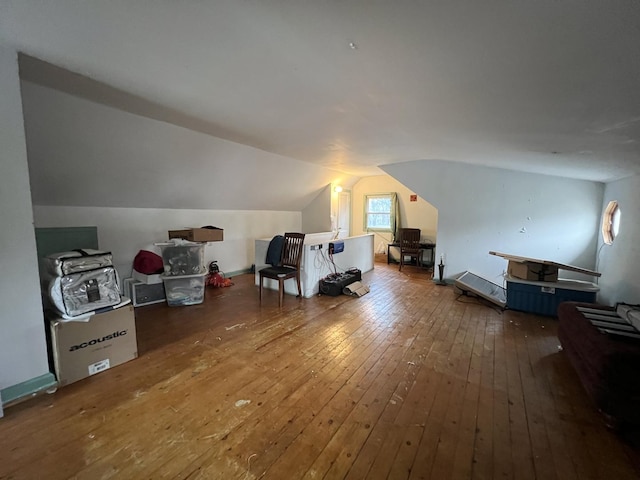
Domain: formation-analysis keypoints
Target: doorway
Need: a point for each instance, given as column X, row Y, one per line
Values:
column 344, row 214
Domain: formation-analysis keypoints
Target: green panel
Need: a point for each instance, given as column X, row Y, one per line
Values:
column 30, row 387
column 53, row 240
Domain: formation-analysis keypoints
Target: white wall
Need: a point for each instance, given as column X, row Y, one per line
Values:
column 316, row 216
column 125, row 231
column 618, row 263
column 482, row 209
column 315, row 264
column 420, row 214
column 358, row 253
column 23, row 352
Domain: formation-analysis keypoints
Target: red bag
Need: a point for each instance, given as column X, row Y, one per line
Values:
column 217, row 280
column 148, row 263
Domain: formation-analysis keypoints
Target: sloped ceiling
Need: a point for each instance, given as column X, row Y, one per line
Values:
column 545, row 86
column 84, row 153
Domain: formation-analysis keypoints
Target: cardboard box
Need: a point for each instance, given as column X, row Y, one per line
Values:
column 82, row 349
column 198, row 234
column 532, row 271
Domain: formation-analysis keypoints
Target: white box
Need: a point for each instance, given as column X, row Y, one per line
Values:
column 144, row 278
column 142, row 294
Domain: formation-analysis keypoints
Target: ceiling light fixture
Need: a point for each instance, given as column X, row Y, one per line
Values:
column 337, row 189
column 353, row 46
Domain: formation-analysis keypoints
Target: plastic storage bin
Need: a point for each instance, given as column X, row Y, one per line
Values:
column 183, row 258
column 184, row 289
column 543, row 298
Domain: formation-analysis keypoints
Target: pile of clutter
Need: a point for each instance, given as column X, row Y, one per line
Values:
column 178, row 265
column 216, row 278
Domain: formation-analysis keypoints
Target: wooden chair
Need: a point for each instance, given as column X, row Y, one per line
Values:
column 410, row 245
column 289, row 266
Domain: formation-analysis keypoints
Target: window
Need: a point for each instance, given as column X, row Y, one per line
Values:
column 378, row 212
column 610, row 222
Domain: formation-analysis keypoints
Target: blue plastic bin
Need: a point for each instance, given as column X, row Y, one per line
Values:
column 543, row 298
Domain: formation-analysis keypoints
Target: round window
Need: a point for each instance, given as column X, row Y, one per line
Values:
column 610, row 222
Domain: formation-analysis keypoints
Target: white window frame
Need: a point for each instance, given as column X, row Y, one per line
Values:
column 611, row 222
column 367, row 228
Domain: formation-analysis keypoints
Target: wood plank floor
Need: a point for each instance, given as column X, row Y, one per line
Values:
column 408, row 382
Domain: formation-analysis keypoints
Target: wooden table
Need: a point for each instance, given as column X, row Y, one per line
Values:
column 423, row 246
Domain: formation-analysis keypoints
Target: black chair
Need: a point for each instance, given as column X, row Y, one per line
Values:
column 289, row 266
column 410, row 245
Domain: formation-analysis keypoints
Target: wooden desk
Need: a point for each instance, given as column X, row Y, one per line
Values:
column 423, row 246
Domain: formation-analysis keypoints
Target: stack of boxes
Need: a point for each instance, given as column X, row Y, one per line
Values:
column 183, row 277
column 533, row 285
column 93, row 327
column 184, row 272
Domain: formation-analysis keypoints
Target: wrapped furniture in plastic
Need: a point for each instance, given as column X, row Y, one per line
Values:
column 85, row 291
column 81, row 260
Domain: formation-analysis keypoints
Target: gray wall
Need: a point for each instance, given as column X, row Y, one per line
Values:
column 316, row 216
column 87, row 154
column 482, row 209
column 618, row 263
column 23, row 353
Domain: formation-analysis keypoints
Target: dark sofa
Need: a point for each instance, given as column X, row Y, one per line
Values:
column 607, row 365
